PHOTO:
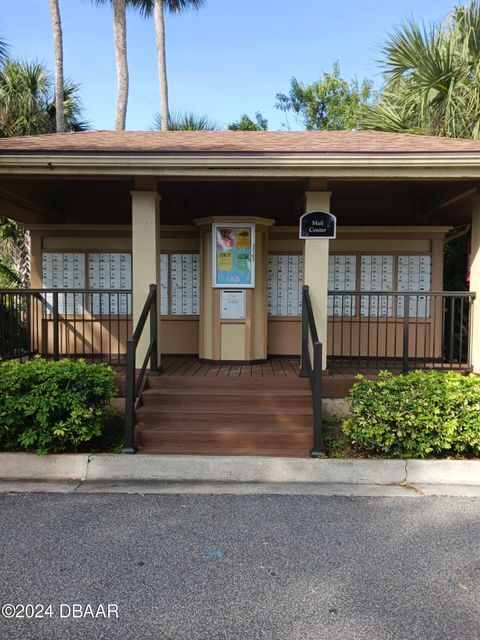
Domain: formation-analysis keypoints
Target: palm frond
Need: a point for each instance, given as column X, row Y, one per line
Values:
column 27, row 104
column 187, row 121
column 145, row 7
column 433, row 77
column 4, row 47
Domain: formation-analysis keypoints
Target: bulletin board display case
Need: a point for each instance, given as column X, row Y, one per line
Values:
column 233, row 259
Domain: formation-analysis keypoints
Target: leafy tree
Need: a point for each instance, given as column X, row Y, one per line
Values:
column 247, row 124
column 330, row 103
column 12, row 233
column 455, row 261
column 158, row 9
column 58, row 54
column 27, row 102
column 186, row 122
column 432, row 77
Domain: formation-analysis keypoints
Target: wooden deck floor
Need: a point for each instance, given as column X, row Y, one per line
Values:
column 192, row 367
column 335, row 384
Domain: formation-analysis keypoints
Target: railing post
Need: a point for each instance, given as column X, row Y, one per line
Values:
column 154, row 331
column 56, row 337
column 318, row 450
column 472, row 304
column 406, row 332
column 304, row 373
column 451, row 331
column 129, row 446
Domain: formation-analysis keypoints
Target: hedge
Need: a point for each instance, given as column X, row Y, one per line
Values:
column 418, row 415
column 50, row 407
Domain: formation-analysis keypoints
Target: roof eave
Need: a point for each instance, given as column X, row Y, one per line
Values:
column 338, row 165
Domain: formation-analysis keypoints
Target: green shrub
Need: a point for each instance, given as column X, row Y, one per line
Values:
column 418, row 415
column 53, row 406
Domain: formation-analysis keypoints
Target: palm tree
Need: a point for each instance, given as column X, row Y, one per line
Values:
column 12, row 240
column 120, row 40
column 158, row 8
column 3, row 50
column 186, row 122
column 432, row 78
column 58, row 54
column 27, row 101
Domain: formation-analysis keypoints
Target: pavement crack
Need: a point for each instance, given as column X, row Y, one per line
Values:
column 82, row 480
column 412, row 487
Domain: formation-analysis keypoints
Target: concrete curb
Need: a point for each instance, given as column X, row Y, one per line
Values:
column 29, row 466
column 243, row 469
column 149, row 468
column 443, row 471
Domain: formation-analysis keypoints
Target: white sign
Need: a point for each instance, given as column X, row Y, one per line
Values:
column 232, row 305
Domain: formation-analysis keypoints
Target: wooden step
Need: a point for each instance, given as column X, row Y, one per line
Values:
column 212, row 415
column 147, row 419
column 198, row 391
column 227, row 402
column 226, row 451
column 223, row 437
column 217, row 383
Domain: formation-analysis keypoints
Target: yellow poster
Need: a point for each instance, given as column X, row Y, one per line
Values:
column 224, row 261
column 243, row 238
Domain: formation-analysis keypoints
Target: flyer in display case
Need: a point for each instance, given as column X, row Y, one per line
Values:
column 233, row 259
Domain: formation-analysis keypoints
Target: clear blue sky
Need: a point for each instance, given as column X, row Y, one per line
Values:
column 231, row 57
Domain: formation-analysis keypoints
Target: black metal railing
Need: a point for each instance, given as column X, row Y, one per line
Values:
column 312, row 356
column 15, row 324
column 134, row 381
column 399, row 331
column 74, row 323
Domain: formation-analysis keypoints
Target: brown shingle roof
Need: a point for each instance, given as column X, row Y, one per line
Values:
column 242, row 142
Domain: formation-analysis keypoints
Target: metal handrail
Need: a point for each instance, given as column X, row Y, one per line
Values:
column 65, row 290
column 134, row 382
column 52, row 322
column 401, row 329
column 313, row 370
column 445, row 294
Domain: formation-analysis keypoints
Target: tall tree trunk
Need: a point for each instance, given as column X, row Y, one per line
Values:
column 58, row 50
column 159, row 14
column 120, row 37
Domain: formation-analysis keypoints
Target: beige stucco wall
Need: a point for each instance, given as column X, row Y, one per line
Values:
column 180, row 334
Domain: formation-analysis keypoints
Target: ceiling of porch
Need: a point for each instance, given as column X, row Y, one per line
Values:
column 107, row 200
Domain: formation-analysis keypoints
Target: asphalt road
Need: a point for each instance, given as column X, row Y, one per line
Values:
column 240, row 567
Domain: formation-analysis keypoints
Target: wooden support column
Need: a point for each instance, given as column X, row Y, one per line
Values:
column 145, row 260
column 315, row 265
column 475, row 286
